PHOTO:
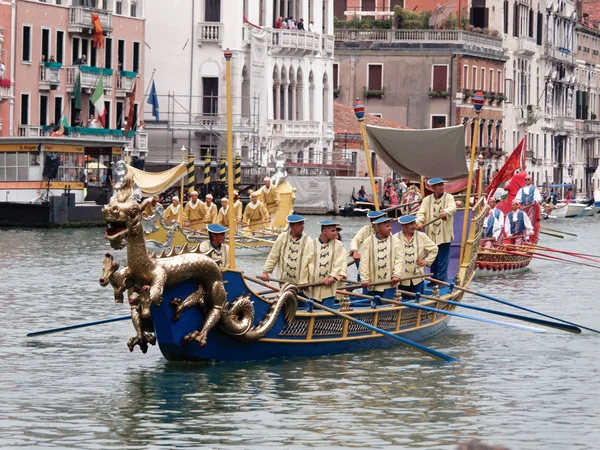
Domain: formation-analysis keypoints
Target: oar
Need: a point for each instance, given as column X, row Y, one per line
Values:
column 449, row 313
column 551, row 234
column 558, row 231
column 546, row 323
column 421, row 348
column 392, row 208
column 357, row 284
column 514, row 305
column 81, row 325
column 547, row 257
column 574, row 254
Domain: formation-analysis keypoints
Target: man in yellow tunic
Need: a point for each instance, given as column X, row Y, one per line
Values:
column 172, row 212
column 291, row 253
column 237, row 208
column 364, row 233
column 222, row 216
column 211, row 211
column 255, row 215
column 381, row 261
column 194, row 213
column 328, row 264
column 440, row 205
column 418, row 251
column 150, row 208
column 215, row 247
column 269, row 195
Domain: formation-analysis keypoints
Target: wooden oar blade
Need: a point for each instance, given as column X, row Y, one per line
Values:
column 81, row 325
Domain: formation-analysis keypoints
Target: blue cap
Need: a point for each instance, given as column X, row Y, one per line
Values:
column 375, row 214
column 405, row 220
column 434, row 181
column 215, row 228
column 295, row 218
column 382, row 220
column 328, row 223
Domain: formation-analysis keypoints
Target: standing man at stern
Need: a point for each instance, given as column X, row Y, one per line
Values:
column 439, row 205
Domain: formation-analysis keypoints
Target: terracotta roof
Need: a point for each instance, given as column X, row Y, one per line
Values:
column 345, row 122
column 592, row 9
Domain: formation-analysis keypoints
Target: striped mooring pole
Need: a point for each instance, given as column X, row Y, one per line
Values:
column 222, row 170
column 238, row 169
column 206, row 169
column 190, row 171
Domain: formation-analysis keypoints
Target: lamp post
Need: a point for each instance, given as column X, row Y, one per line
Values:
column 359, row 112
column 478, row 101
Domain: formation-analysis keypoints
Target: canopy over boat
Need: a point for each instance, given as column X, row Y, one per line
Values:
column 153, row 183
column 438, row 152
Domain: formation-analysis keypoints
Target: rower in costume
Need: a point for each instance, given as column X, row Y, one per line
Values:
column 499, row 215
column 215, row 247
column 528, row 194
column 418, row 251
column 291, row 253
column 327, row 265
column 211, row 211
column 440, row 205
column 150, row 208
column 222, row 216
column 492, row 229
column 237, row 208
column 256, row 215
column 172, row 213
column 194, row 213
column 381, row 261
column 269, row 196
column 517, row 225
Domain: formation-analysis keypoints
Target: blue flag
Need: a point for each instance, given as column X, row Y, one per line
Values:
column 153, row 100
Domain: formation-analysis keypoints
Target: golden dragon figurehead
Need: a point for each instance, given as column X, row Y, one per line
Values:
column 123, row 214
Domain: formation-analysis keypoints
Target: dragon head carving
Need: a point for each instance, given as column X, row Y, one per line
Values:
column 123, row 214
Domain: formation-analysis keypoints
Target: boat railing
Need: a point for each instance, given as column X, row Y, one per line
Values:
column 472, row 243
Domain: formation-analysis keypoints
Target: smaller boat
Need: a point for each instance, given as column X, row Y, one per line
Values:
column 591, row 210
column 575, row 210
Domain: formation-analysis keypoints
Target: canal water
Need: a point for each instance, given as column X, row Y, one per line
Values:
column 84, row 389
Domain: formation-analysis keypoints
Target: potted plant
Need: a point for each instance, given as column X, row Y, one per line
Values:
column 374, row 93
column 336, row 93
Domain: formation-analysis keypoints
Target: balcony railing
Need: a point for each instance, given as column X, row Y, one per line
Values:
column 210, row 32
column 592, row 164
column 80, row 19
column 89, row 77
column 5, row 89
column 527, row 46
column 50, row 75
column 295, row 41
column 559, row 53
column 463, row 38
column 295, row 130
column 564, row 124
column 592, row 126
column 327, row 130
column 328, row 43
column 30, row 131
column 529, row 154
column 124, row 83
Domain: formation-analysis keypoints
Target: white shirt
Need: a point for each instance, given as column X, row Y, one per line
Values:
column 497, row 226
column 526, row 221
column 536, row 193
column 311, row 27
column 500, row 215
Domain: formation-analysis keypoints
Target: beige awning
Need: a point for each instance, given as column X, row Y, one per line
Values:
column 153, row 183
column 438, row 152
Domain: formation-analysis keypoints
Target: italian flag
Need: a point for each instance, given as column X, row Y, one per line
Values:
column 98, row 101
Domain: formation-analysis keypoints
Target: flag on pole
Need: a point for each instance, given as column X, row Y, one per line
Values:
column 153, row 100
column 513, row 162
column 59, row 130
column 77, row 93
column 98, row 101
column 131, row 116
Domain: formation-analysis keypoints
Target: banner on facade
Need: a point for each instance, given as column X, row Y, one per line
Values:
column 258, row 59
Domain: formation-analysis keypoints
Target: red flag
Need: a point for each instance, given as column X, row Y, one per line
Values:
column 512, row 163
column 98, row 32
column 131, row 116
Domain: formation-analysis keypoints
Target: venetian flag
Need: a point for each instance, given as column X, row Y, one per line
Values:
column 98, row 101
column 513, row 162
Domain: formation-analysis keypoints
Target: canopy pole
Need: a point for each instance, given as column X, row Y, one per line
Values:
column 182, row 185
column 359, row 111
column 478, row 101
column 230, row 213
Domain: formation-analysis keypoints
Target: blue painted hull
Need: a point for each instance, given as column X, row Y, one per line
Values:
column 326, row 337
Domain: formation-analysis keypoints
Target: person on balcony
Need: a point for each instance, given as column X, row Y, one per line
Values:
column 301, row 25
column 311, row 26
column 80, row 61
column 93, row 122
column 278, row 22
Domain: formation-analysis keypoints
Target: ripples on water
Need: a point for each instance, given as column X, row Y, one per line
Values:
column 84, row 389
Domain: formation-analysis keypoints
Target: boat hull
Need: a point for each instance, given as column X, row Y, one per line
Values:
column 574, row 210
column 308, row 334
